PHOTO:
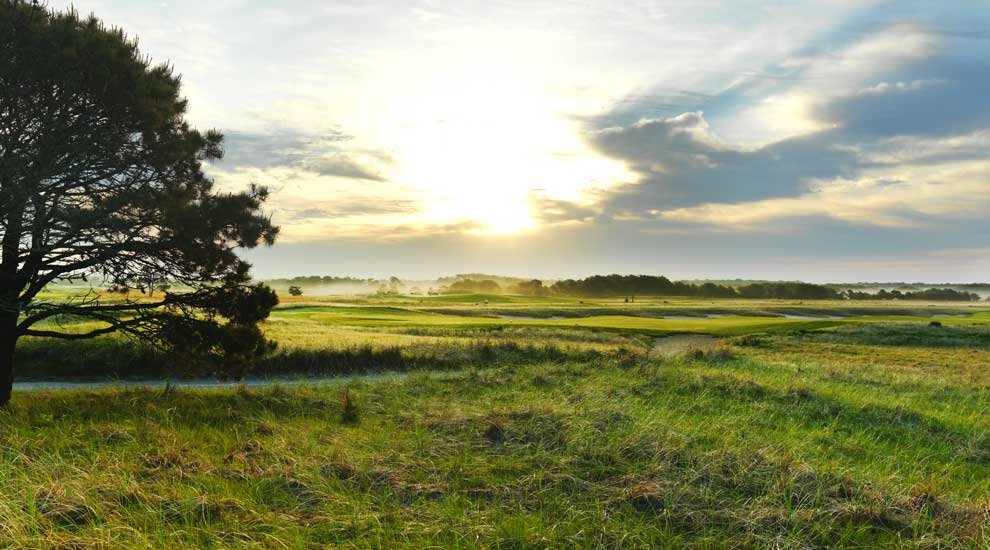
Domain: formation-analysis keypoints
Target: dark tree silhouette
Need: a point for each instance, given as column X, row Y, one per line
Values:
column 295, row 290
column 101, row 176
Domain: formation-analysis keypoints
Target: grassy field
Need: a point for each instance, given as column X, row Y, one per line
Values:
column 337, row 335
column 867, row 430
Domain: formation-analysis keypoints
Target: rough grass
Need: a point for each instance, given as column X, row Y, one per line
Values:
column 333, row 339
column 837, row 439
column 307, row 348
column 972, row 335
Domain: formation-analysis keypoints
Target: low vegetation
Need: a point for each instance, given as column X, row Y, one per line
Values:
column 842, row 437
column 320, row 338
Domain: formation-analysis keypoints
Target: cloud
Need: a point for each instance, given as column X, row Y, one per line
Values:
column 348, row 208
column 549, row 211
column 345, row 165
column 955, row 194
column 327, row 154
column 948, row 99
column 888, row 129
column 680, row 163
column 309, row 205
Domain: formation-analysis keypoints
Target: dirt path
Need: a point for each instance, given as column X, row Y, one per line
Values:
column 669, row 346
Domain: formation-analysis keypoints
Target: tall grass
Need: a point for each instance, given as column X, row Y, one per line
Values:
column 121, row 358
column 791, row 443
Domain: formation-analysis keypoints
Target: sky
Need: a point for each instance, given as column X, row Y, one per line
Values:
column 818, row 140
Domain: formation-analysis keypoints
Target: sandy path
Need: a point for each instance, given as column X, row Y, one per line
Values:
column 668, row 346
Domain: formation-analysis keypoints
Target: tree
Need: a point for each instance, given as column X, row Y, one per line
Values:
column 531, row 288
column 295, row 291
column 101, row 177
column 465, row 286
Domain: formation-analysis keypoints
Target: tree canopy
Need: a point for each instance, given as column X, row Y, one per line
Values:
column 101, row 176
column 468, row 286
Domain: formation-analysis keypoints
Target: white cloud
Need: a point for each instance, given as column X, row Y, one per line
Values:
column 889, row 199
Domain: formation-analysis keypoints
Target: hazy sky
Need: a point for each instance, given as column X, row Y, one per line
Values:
column 820, row 140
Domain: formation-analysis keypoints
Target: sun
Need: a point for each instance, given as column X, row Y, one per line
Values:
column 481, row 153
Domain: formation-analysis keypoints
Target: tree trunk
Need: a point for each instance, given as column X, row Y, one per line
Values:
column 8, row 341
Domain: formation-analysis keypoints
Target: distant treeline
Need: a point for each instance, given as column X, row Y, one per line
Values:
column 603, row 286
column 611, row 286
column 932, row 294
column 911, row 286
column 317, row 280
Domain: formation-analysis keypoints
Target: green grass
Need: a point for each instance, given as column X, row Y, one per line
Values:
column 958, row 334
column 745, row 322
column 783, row 441
column 336, row 339
column 861, row 432
column 391, row 317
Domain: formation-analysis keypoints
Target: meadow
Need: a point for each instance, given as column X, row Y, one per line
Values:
column 523, row 423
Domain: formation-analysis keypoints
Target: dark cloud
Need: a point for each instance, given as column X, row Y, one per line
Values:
column 326, row 154
column 937, row 98
column 897, row 107
column 339, row 164
column 550, row 211
column 680, row 164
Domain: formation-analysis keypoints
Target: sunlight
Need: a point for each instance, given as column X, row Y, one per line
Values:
column 482, row 146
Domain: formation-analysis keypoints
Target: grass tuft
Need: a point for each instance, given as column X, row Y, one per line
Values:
column 349, row 411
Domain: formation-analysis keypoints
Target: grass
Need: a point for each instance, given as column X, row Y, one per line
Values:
column 398, row 317
column 972, row 335
column 313, row 348
column 860, row 432
column 338, row 339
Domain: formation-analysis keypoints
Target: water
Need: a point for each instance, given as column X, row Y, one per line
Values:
column 209, row 383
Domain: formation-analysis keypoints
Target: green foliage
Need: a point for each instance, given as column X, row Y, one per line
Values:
column 470, row 286
column 788, row 291
column 115, row 190
column 928, row 294
column 631, row 285
column 531, row 288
